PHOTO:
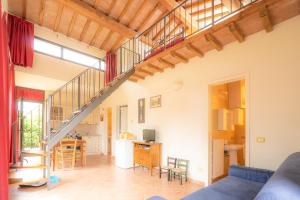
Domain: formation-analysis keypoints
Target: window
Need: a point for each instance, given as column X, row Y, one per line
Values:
column 65, row 53
column 47, row 48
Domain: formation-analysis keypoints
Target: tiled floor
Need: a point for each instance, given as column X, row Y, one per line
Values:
column 101, row 180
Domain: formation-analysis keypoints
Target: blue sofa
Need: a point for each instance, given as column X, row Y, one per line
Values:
column 244, row 183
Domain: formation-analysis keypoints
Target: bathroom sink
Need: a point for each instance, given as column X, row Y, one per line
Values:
column 232, row 150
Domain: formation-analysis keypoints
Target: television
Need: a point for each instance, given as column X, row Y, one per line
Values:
column 149, row 135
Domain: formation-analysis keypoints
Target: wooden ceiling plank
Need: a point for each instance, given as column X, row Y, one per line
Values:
column 42, row 12
column 195, row 50
column 98, row 16
column 93, row 40
column 266, row 19
column 138, row 13
column 111, row 6
column 154, row 67
column 198, row 3
column 85, row 28
column 148, row 17
column 236, row 32
column 165, row 62
column 24, row 11
column 179, row 56
column 161, row 31
column 213, row 41
column 58, row 17
column 71, row 25
column 125, row 10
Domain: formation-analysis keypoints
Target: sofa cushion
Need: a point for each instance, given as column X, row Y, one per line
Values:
column 285, row 183
column 229, row 188
column 250, row 173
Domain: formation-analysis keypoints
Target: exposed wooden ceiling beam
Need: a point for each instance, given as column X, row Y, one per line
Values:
column 132, row 79
column 206, row 10
column 98, row 16
column 166, row 63
column 138, row 76
column 42, row 12
column 58, row 17
column 181, row 14
column 138, row 13
column 24, row 11
column 125, row 9
column 209, row 18
column 145, row 72
column 195, row 50
column 154, row 67
column 93, row 40
column 267, row 22
column 213, row 41
column 71, row 25
column 118, row 43
column 236, row 32
column 179, row 56
column 85, row 28
column 106, row 40
column 168, row 24
column 147, row 19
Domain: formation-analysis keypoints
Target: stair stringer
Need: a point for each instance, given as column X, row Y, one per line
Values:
column 87, row 110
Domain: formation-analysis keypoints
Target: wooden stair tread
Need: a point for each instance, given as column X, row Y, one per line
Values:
column 28, row 166
column 20, row 181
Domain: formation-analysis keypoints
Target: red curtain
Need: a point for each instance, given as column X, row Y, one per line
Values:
column 4, row 108
column 20, row 39
column 29, row 94
column 111, row 70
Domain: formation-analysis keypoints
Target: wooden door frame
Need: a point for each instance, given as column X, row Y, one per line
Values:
column 107, row 129
column 228, row 79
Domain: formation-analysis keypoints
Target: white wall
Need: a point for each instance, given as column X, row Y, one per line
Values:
column 271, row 63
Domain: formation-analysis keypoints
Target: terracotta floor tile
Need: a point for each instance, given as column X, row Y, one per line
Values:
column 102, row 180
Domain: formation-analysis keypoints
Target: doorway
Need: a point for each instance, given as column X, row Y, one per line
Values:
column 227, row 127
column 109, row 131
column 30, row 120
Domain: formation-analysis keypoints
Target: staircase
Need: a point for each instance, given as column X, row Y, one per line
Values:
column 65, row 108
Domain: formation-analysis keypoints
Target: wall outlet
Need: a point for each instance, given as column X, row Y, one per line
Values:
column 260, row 139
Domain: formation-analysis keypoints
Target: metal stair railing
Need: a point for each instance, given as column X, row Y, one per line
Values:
column 188, row 18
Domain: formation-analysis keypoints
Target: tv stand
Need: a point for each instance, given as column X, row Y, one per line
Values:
column 147, row 155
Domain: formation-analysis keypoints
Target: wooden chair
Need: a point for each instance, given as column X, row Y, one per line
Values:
column 181, row 170
column 66, row 153
column 171, row 163
column 80, row 156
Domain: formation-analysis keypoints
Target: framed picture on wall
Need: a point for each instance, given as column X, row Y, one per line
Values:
column 155, row 101
column 141, row 110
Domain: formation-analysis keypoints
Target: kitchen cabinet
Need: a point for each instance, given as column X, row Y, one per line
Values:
column 93, row 144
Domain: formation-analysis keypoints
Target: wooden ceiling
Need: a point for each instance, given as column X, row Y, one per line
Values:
column 105, row 24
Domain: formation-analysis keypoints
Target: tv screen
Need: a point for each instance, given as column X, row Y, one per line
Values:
column 149, row 135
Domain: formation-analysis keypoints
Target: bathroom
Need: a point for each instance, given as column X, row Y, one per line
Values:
column 227, row 117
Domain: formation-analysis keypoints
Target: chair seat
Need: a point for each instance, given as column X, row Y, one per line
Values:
column 178, row 170
column 166, row 167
